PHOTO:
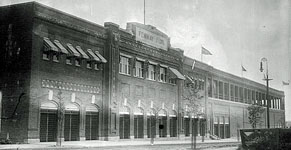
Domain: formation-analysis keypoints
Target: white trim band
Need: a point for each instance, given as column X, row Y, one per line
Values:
column 153, row 63
column 125, row 55
column 140, row 59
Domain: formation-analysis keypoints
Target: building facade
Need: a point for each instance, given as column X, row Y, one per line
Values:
column 64, row 75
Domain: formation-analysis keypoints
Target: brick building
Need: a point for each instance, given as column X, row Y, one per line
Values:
column 110, row 83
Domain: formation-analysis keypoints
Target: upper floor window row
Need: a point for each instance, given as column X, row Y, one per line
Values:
column 227, row 91
column 146, row 69
column 54, row 50
column 196, row 82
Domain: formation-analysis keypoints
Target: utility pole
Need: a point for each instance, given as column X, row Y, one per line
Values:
column 266, row 78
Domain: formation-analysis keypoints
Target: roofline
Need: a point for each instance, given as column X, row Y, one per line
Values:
column 62, row 12
column 213, row 70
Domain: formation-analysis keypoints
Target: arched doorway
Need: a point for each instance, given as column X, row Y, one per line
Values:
column 151, row 124
column 72, row 123
column 48, row 122
column 173, row 124
column 138, row 123
column 187, row 124
column 124, row 123
column 92, row 123
column 162, row 123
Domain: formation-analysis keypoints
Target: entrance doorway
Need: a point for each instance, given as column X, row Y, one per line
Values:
column 72, row 123
column 48, row 123
column 92, row 123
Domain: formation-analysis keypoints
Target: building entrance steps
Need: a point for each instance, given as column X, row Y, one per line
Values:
column 97, row 143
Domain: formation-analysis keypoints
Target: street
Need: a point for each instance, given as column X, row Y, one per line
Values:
column 166, row 147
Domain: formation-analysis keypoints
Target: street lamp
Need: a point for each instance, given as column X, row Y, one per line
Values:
column 266, row 78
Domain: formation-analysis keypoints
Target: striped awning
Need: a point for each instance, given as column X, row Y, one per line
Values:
column 81, row 51
column 73, row 51
column 61, row 47
column 177, row 73
column 50, row 45
column 101, row 57
column 93, row 55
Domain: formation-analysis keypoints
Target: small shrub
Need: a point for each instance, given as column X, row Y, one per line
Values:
column 5, row 141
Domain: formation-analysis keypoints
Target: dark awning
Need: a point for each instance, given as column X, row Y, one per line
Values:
column 61, row 47
column 189, row 78
column 49, row 45
column 101, row 57
column 93, row 55
column 177, row 73
column 73, row 51
column 80, row 50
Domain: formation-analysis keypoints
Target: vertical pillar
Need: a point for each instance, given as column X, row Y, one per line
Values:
column 110, row 76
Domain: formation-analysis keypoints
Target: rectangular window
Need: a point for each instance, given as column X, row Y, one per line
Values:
column 263, row 99
column 260, row 99
column 249, row 96
column 231, row 92
column 78, row 62
column 68, row 60
column 173, row 81
column 89, row 64
column 124, row 65
column 96, row 66
column 245, row 95
column 253, row 97
column 196, row 83
column 45, row 55
column 215, row 89
column 220, row 90
column 257, row 98
column 151, row 72
column 226, row 91
column 236, row 93
column 209, row 85
column 241, row 94
column 163, row 74
column 139, row 69
column 56, row 57
column 202, row 84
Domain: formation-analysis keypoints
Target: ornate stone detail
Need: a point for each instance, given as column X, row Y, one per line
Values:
column 149, row 50
column 46, row 83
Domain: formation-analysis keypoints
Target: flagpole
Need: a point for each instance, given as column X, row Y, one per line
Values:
column 242, row 72
column 201, row 54
column 144, row 12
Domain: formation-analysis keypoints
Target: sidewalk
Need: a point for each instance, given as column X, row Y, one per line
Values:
column 91, row 144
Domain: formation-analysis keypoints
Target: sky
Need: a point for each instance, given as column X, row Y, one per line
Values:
column 236, row 32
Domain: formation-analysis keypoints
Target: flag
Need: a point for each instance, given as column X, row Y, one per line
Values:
column 205, row 51
column 243, row 68
column 285, row 83
column 193, row 64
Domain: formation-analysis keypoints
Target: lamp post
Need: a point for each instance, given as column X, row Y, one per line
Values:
column 266, row 78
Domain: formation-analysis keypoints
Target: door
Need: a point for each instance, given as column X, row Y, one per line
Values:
column 151, row 126
column 92, row 126
column 138, row 126
column 173, row 126
column 124, row 126
column 187, row 126
column 48, row 126
column 72, row 125
column 163, row 126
